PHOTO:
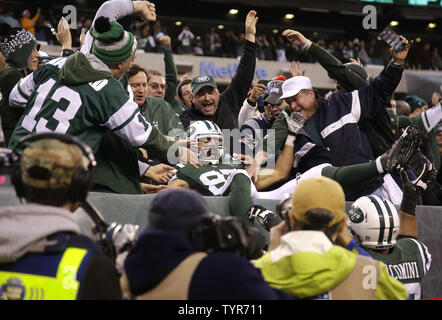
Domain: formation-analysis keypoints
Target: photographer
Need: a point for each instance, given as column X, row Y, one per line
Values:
column 304, row 260
column 43, row 256
column 165, row 264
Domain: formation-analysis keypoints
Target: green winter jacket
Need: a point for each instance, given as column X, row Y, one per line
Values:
column 117, row 160
column 161, row 115
column 306, row 264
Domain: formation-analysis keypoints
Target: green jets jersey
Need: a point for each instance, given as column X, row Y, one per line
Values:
column 58, row 97
column 209, row 180
column 409, row 261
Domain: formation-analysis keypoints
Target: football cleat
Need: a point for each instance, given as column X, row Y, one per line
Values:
column 265, row 217
column 397, row 157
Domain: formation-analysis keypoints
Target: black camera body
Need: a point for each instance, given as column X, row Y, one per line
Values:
column 216, row 233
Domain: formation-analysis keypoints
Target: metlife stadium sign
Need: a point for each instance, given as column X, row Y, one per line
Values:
column 210, row 68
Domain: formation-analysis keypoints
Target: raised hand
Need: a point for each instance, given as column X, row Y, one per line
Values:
column 82, row 36
column 258, row 89
column 251, row 21
column 63, row 34
column 435, row 98
column 399, row 56
column 295, row 69
column 145, row 9
column 295, row 37
column 165, row 41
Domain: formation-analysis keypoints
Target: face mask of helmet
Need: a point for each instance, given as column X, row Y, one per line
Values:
column 206, row 139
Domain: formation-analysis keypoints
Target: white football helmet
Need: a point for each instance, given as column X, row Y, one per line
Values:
column 374, row 222
column 205, row 130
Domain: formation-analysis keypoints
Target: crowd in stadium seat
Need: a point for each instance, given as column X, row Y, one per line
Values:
column 91, row 119
column 227, row 43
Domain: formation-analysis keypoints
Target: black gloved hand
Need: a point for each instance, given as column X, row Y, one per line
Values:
column 295, row 122
column 265, row 217
column 411, row 194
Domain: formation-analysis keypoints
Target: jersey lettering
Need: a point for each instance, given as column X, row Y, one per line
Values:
column 29, row 121
column 98, row 85
column 212, row 179
column 63, row 117
column 403, row 271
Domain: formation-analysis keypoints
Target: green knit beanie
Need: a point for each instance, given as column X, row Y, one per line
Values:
column 112, row 44
column 16, row 45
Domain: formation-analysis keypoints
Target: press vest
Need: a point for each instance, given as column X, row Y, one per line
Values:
column 357, row 286
column 64, row 286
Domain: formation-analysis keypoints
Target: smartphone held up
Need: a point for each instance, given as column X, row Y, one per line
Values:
column 392, row 39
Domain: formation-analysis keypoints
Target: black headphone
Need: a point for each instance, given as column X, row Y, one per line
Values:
column 82, row 179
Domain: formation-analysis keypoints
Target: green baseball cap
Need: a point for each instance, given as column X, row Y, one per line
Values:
column 415, row 102
column 201, row 81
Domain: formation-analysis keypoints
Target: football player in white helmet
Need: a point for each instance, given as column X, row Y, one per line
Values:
column 206, row 141
column 391, row 237
column 220, row 175
column 217, row 178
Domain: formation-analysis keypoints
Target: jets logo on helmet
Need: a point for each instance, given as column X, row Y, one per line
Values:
column 374, row 222
column 355, row 214
column 207, row 139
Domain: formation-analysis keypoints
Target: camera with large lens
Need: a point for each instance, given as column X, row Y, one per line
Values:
column 115, row 239
column 216, row 233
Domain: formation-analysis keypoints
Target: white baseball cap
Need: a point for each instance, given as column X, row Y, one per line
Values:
column 292, row 86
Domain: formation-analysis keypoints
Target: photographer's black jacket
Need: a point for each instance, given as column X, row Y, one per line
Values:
column 231, row 100
column 219, row 276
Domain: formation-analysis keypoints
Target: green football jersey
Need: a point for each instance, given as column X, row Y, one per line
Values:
column 408, row 262
column 209, row 180
column 84, row 110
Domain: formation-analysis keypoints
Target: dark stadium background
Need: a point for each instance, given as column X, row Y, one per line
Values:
column 315, row 18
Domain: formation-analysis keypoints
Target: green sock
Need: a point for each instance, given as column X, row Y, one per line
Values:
column 240, row 199
column 348, row 176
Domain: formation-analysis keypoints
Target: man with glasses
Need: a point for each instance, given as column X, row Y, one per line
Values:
column 156, row 84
